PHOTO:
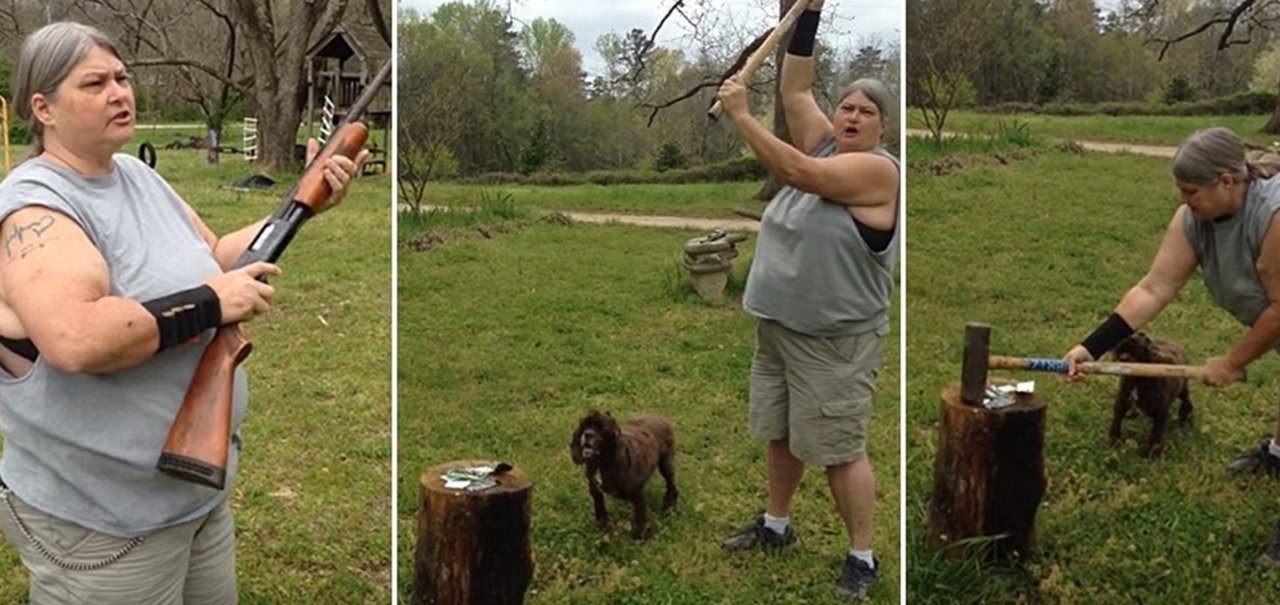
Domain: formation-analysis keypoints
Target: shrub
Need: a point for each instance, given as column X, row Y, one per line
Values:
column 18, row 132
column 1014, row 133
column 1240, row 103
column 1178, row 91
column 740, row 169
column 670, row 157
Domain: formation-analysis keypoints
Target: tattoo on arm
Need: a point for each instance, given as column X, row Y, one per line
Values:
column 25, row 239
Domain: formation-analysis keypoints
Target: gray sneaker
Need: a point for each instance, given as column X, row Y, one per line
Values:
column 857, row 578
column 1256, row 461
column 756, row 535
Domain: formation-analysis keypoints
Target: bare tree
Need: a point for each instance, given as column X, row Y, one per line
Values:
column 177, row 35
column 943, row 55
column 273, row 36
column 427, row 130
column 276, row 38
column 1233, row 23
column 380, row 21
column 774, row 184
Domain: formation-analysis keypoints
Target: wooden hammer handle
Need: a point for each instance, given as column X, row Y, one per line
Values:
column 1117, row 368
column 766, row 48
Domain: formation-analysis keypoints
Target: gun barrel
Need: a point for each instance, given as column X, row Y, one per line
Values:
column 371, row 91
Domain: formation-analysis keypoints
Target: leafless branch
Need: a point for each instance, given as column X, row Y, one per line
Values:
column 709, row 82
column 10, row 14
column 641, row 52
column 1246, row 13
column 241, row 87
column 375, row 13
column 686, row 18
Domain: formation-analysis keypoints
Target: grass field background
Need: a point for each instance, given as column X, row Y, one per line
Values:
column 312, row 503
column 1042, row 249
column 1149, row 130
column 505, row 342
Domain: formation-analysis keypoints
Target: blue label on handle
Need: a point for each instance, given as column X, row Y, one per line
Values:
column 1059, row 366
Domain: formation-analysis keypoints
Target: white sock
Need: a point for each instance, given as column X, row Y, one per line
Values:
column 1273, row 448
column 864, row 556
column 777, row 524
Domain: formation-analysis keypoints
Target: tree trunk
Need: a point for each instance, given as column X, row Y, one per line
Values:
column 774, row 184
column 1273, row 124
column 212, row 142
column 988, row 476
column 473, row 547
column 278, row 58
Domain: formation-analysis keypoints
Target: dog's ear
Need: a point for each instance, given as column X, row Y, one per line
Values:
column 610, row 425
column 575, row 444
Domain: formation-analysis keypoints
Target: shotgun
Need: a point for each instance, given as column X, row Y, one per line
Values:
column 196, row 448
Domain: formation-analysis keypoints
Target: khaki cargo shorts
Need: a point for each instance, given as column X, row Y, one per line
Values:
column 815, row 392
column 192, row 563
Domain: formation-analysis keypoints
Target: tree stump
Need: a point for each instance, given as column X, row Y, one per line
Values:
column 988, row 476
column 473, row 547
column 709, row 260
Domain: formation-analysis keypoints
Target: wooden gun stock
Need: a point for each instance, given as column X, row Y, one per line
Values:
column 196, row 448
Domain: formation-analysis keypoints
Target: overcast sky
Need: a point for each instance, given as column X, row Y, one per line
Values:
column 876, row 22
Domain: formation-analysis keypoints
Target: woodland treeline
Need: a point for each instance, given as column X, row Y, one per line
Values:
column 1068, row 54
column 479, row 93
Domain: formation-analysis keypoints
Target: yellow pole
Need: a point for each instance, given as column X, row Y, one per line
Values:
column 4, row 127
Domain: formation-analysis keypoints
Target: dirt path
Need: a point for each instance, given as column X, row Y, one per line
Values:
column 674, row 222
column 1152, row 150
column 680, row 222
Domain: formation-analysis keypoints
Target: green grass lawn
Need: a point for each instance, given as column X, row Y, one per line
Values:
column 312, row 503
column 505, row 342
column 1042, row 250
column 700, row 200
column 1149, row 130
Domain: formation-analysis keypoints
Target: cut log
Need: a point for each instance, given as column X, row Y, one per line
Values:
column 473, row 547
column 988, row 476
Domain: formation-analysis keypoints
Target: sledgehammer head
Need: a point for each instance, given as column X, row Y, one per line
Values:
column 973, row 375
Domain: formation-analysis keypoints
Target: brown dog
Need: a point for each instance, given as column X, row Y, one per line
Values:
column 620, row 459
column 1153, row 396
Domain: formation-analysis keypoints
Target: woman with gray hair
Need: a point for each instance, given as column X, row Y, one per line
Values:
column 1227, row 225
column 110, row 288
column 819, row 287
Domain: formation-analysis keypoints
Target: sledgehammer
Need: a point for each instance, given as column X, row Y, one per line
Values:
column 977, row 360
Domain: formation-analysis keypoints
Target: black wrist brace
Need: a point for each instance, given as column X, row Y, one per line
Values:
column 805, row 33
column 182, row 316
column 1107, row 335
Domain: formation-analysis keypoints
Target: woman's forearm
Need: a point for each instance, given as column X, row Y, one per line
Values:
column 1262, row 337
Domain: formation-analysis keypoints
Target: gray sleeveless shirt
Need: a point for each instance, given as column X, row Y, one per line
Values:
column 812, row 271
column 83, row 447
column 1228, row 251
